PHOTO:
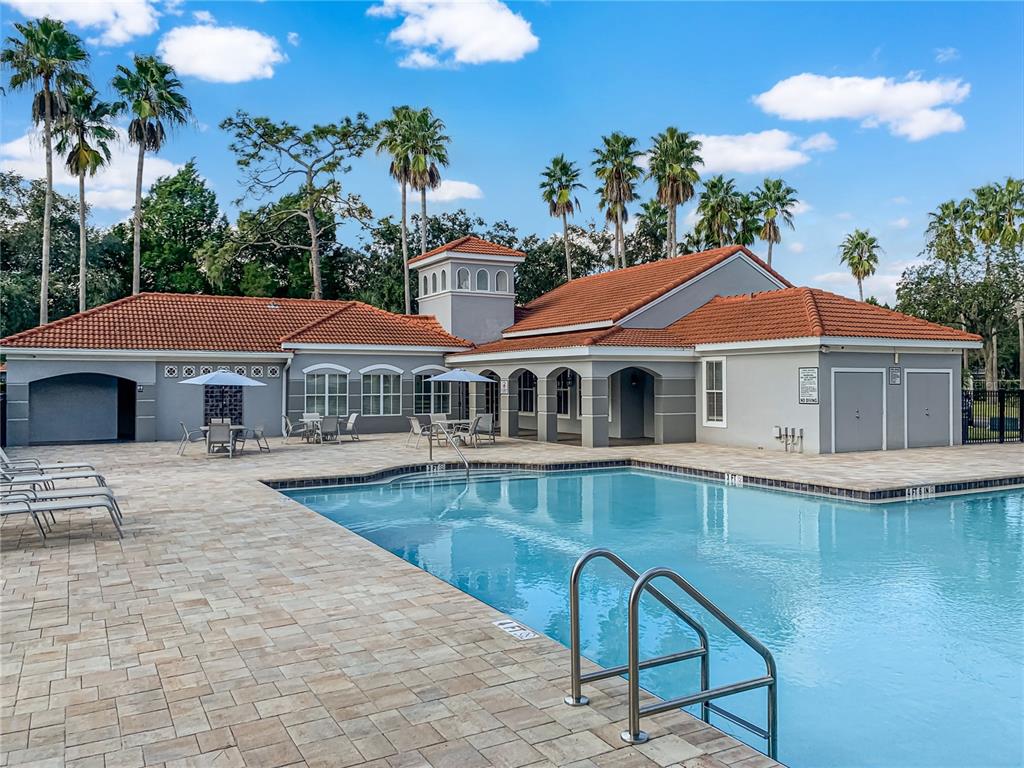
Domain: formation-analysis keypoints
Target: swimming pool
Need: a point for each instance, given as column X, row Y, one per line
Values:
column 897, row 628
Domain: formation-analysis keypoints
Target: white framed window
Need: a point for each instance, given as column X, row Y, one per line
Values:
column 188, row 371
column 563, row 392
column 482, row 280
column 462, row 279
column 714, row 391
column 527, row 392
column 382, row 394
column 501, row 281
column 433, row 283
column 444, row 279
column 425, row 286
column 327, row 394
column 431, row 396
column 170, row 371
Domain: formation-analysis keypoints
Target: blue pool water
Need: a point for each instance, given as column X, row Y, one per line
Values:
column 897, row 629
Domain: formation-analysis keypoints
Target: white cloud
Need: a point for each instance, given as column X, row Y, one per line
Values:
column 912, row 108
column 771, row 150
column 881, row 285
column 901, row 223
column 943, row 55
column 802, row 206
column 457, row 32
column 112, row 188
column 450, row 190
column 819, row 142
column 203, row 17
column 294, row 39
column 796, row 247
column 221, row 54
column 117, row 21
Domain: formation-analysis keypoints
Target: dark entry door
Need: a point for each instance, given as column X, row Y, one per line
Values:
column 858, row 413
column 928, row 408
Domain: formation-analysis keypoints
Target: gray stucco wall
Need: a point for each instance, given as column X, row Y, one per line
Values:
column 762, row 391
column 355, row 363
column 730, row 279
column 479, row 316
column 894, row 424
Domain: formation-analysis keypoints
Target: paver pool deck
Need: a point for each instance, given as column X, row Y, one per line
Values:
column 232, row 626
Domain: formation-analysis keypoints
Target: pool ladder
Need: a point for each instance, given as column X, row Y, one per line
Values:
column 451, row 441
column 707, row 694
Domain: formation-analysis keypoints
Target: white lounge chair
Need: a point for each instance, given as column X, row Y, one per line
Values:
column 57, row 494
column 420, row 430
column 44, row 478
column 7, row 461
column 24, row 502
column 349, row 428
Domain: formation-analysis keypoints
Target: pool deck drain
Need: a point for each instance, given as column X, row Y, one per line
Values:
column 232, row 626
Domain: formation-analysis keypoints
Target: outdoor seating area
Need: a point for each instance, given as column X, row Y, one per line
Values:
column 40, row 491
column 441, row 430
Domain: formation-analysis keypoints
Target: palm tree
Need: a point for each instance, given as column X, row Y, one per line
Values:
column 776, row 201
column 394, row 133
column 428, row 149
column 616, row 168
column 46, row 54
column 749, row 222
column 718, row 212
column 949, row 240
column 673, row 165
column 85, row 134
column 152, row 94
column 859, row 251
column 559, row 182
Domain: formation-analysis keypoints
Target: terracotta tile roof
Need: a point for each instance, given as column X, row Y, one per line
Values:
column 217, row 323
column 358, row 323
column 787, row 313
column 470, row 244
column 800, row 312
column 610, row 296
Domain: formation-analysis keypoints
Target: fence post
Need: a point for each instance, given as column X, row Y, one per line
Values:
column 1001, row 394
column 1020, row 410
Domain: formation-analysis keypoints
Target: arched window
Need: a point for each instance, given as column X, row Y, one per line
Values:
column 425, row 289
column 433, row 283
column 444, row 279
column 501, row 281
column 462, row 279
column 482, row 279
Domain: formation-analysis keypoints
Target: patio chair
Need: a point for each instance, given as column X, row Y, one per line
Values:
column 21, row 478
column 485, row 429
column 58, row 494
column 189, row 436
column 7, row 461
column 220, row 421
column 421, row 430
column 294, row 429
column 257, row 433
column 468, row 433
column 26, row 503
column 219, row 436
column 349, row 428
column 329, row 427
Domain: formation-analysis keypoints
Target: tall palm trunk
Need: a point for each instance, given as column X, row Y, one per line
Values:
column 565, row 242
column 82, row 241
column 670, row 249
column 44, row 277
column 423, row 220
column 770, row 255
column 405, row 249
column 619, row 237
column 991, row 349
column 137, row 223
column 860, row 288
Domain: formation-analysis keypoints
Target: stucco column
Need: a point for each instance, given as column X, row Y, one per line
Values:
column 675, row 410
column 595, row 412
column 509, row 407
column 477, row 399
column 547, row 410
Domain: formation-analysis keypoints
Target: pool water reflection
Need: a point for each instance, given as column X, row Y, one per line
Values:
column 897, row 628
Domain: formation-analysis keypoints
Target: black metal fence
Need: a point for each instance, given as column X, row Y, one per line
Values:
column 992, row 416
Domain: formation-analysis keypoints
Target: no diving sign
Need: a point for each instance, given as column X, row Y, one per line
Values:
column 516, row 629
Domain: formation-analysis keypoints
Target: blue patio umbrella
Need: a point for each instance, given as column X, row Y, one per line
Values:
column 461, row 374
column 223, row 379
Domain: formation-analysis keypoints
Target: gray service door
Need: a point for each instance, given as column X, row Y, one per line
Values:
column 857, row 400
column 928, row 409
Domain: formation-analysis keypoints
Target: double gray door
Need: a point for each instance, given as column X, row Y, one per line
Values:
column 858, row 411
column 928, row 408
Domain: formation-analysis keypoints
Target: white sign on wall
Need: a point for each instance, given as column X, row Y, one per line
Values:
column 808, row 386
column 504, row 386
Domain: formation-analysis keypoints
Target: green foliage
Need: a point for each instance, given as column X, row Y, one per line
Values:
column 48, row 57
column 859, row 251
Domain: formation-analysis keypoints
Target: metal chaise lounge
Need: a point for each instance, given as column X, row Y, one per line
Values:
column 59, row 494
column 44, row 478
column 32, row 463
column 26, row 503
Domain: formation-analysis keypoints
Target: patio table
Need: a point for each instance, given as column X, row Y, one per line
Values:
column 315, row 423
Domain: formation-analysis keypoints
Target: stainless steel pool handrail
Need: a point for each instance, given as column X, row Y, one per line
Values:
column 577, row 678
column 706, row 695
column 451, row 441
column 769, row 680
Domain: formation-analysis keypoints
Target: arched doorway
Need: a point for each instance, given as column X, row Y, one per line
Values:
column 631, row 407
column 491, row 399
column 560, row 407
column 81, row 408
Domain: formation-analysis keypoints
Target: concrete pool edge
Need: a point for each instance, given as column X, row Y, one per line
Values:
column 736, row 479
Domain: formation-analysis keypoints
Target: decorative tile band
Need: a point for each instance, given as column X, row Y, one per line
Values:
column 791, row 486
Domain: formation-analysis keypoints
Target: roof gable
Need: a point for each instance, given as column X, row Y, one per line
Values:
column 608, row 297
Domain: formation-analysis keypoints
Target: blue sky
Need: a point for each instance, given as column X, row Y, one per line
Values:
column 875, row 112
